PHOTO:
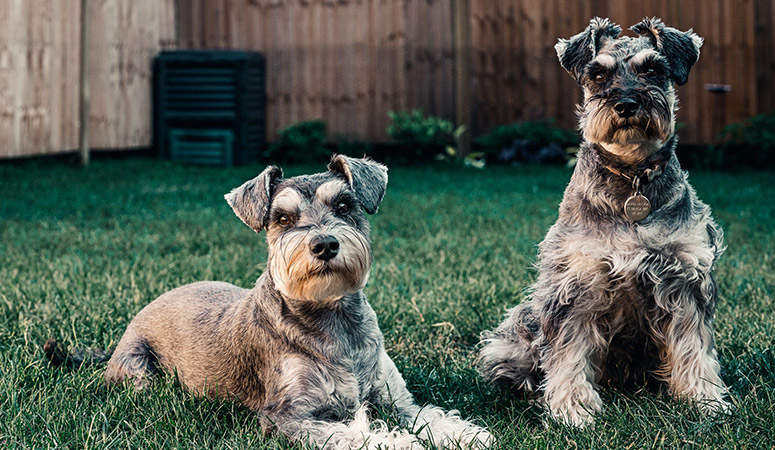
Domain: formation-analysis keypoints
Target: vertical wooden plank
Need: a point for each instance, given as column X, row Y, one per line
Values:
column 293, row 44
column 347, row 70
column 18, row 27
column 748, row 77
column 339, row 74
column 361, row 69
column 304, row 62
column 551, row 75
column 273, row 64
column 448, row 52
column 462, row 91
column 70, row 60
column 410, row 50
column 764, row 55
column 8, row 145
column 476, row 66
column 377, row 8
column 392, row 45
column 533, row 53
column 55, row 43
column 436, row 82
column 84, row 88
column 329, row 86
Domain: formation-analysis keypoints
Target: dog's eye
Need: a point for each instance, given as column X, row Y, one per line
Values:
column 649, row 70
column 600, row 78
column 342, row 208
column 284, row 221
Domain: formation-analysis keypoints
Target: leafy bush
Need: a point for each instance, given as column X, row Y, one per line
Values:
column 538, row 141
column 419, row 137
column 750, row 143
column 300, row 142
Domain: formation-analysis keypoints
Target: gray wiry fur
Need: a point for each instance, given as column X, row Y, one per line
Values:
column 615, row 300
column 303, row 347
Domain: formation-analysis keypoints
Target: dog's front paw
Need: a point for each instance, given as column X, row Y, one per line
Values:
column 708, row 396
column 576, row 409
column 474, row 437
column 448, row 430
column 713, row 406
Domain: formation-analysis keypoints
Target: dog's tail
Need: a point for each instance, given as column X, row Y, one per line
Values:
column 74, row 358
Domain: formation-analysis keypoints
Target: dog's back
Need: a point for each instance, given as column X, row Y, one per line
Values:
column 176, row 332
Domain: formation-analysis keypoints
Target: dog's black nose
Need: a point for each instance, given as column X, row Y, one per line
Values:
column 626, row 107
column 324, row 247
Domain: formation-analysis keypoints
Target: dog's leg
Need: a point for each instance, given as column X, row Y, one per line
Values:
column 508, row 354
column 444, row 429
column 689, row 362
column 303, row 406
column 359, row 433
column 570, row 369
column 132, row 360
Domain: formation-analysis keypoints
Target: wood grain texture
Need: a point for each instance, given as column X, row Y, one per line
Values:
column 39, row 59
column 349, row 62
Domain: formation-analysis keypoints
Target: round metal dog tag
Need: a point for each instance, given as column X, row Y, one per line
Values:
column 637, row 208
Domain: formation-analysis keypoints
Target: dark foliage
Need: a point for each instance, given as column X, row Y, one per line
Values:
column 300, row 142
column 537, row 141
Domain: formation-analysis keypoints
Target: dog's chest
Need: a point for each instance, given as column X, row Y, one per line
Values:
column 342, row 381
column 629, row 260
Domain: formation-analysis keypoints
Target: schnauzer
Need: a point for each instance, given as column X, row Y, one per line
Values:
column 625, row 286
column 303, row 347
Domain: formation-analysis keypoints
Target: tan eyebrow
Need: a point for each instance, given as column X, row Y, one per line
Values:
column 327, row 191
column 288, row 199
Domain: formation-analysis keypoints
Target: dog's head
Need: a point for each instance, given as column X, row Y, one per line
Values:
column 318, row 235
column 629, row 96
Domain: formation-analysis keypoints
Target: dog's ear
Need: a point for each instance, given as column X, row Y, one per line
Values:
column 252, row 200
column 366, row 177
column 578, row 51
column 681, row 49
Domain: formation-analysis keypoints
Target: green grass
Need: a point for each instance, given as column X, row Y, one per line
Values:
column 83, row 250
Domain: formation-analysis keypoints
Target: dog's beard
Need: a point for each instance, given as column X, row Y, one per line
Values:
column 635, row 137
column 301, row 276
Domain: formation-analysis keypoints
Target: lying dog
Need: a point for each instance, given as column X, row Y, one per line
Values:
column 302, row 348
column 625, row 285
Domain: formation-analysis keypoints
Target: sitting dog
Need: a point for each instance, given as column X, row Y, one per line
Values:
column 302, row 348
column 625, row 285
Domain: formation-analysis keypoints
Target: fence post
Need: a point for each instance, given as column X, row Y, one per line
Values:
column 461, row 12
column 84, row 106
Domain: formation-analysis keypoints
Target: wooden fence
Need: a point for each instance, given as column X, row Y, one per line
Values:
column 516, row 74
column 349, row 62
column 39, row 58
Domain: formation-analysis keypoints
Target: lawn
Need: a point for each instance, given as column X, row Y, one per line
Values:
column 83, row 250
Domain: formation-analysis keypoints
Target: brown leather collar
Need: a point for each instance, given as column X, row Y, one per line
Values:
column 645, row 172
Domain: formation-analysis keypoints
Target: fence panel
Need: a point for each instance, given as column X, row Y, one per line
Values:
column 349, row 62
column 39, row 59
column 516, row 75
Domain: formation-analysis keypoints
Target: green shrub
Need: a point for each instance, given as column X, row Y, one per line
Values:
column 750, row 143
column 530, row 141
column 419, row 138
column 300, row 142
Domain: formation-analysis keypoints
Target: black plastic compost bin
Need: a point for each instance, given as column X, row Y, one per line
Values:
column 210, row 106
